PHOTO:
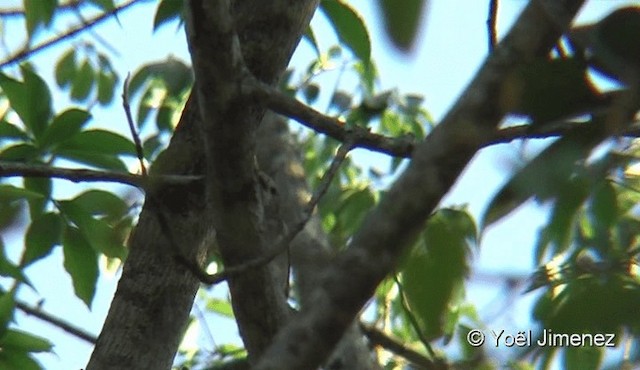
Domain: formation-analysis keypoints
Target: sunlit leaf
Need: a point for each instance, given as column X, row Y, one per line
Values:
column 220, row 306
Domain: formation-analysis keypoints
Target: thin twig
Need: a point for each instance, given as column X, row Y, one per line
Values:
column 23, row 54
column 492, row 21
column 412, row 319
column 132, row 128
column 283, row 244
column 379, row 338
column 20, row 12
column 13, row 169
column 49, row 318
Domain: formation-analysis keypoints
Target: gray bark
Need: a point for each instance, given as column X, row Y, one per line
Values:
column 391, row 227
column 155, row 293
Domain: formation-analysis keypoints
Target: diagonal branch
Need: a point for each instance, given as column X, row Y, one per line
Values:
column 392, row 226
column 311, row 118
column 27, row 52
column 47, row 317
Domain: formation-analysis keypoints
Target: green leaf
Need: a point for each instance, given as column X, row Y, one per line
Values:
column 65, row 125
column 311, row 93
column 353, row 209
column 310, row 36
column 98, row 233
column 38, row 13
column 9, row 269
column 167, row 11
column 16, row 360
column 341, row 101
column 21, row 341
column 106, row 87
column 83, row 82
column 103, row 161
column 11, row 193
column 105, row 5
column 220, row 306
column 42, row 186
column 544, row 177
column 569, row 200
column 548, row 90
column 20, row 153
column 43, row 234
column 164, row 118
column 151, row 146
column 102, row 203
column 7, row 308
column 402, row 20
column 350, row 28
column 604, row 205
column 11, row 131
column 99, row 142
column 81, row 262
column 30, row 99
column 435, row 270
column 66, row 68
column 582, row 358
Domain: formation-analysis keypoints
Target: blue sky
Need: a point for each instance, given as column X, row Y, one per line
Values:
column 452, row 45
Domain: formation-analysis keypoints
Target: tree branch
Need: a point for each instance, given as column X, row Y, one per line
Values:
column 69, row 328
column 13, row 169
column 492, row 20
column 392, row 226
column 25, row 53
column 311, row 118
column 379, row 338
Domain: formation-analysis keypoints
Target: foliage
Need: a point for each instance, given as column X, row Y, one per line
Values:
column 587, row 251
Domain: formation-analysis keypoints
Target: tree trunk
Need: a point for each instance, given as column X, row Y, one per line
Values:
column 151, row 306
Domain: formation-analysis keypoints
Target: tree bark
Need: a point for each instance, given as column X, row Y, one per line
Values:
column 151, row 306
column 436, row 163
